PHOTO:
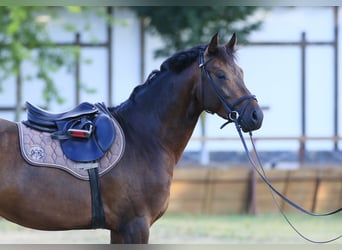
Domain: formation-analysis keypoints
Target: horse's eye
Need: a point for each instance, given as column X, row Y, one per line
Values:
column 220, row 75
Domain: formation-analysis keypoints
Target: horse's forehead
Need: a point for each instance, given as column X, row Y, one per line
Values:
column 225, row 59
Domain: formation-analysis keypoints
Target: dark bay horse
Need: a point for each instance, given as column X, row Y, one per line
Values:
column 158, row 120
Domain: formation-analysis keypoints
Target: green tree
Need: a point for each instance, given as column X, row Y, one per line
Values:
column 24, row 37
column 181, row 27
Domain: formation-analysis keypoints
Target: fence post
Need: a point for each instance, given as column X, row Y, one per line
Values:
column 19, row 94
column 252, row 192
column 303, row 45
column 317, row 184
column 109, row 58
column 77, row 69
column 336, row 76
column 252, row 209
column 142, row 22
column 204, row 153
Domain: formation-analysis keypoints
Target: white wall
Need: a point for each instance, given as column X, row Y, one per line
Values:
column 271, row 73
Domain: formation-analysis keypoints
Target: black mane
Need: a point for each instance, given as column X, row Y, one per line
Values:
column 182, row 60
column 175, row 63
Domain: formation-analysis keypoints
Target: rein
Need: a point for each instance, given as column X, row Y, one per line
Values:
column 233, row 116
column 274, row 191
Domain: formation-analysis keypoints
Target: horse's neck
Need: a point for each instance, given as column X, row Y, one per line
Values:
column 164, row 115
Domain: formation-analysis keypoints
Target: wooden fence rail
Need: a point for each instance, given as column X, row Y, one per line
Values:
column 227, row 191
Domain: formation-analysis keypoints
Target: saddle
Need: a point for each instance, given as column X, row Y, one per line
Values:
column 85, row 133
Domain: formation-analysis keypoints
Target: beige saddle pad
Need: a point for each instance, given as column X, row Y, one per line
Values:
column 39, row 150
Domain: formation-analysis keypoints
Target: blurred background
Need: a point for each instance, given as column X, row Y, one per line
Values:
column 57, row 57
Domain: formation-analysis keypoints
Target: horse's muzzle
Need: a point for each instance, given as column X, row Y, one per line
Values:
column 251, row 119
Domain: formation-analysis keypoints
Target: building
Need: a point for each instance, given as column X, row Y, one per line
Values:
column 272, row 63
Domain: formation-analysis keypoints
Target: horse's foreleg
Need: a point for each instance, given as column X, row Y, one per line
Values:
column 135, row 231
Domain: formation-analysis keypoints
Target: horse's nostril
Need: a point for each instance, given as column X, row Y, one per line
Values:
column 255, row 115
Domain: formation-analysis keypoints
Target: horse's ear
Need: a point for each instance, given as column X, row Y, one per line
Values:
column 232, row 42
column 212, row 47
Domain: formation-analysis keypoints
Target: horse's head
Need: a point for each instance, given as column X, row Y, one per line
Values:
column 222, row 89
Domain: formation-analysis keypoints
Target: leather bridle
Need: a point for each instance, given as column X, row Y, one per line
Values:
column 234, row 116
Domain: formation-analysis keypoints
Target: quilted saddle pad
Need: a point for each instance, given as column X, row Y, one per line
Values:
column 40, row 150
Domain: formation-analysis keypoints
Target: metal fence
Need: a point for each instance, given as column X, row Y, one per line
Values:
column 76, row 43
column 303, row 44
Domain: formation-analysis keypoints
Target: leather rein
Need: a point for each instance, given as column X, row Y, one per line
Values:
column 234, row 116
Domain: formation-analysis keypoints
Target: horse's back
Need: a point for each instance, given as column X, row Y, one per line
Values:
column 6, row 125
column 8, row 138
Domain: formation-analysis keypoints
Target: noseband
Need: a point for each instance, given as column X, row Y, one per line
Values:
column 232, row 114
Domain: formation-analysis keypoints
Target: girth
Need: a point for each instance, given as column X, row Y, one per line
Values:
column 85, row 133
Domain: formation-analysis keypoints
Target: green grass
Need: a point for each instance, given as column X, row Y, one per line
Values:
column 243, row 229
column 194, row 229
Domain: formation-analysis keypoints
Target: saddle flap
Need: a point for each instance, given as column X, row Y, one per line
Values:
column 81, row 150
column 104, row 132
column 87, row 149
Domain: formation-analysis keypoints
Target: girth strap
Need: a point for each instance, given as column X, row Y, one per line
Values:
column 97, row 214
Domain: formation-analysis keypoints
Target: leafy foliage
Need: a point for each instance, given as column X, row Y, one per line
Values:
column 24, row 37
column 21, row 37
column 183, row 26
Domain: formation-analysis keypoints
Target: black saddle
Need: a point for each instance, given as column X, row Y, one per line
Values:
column 86, row 132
